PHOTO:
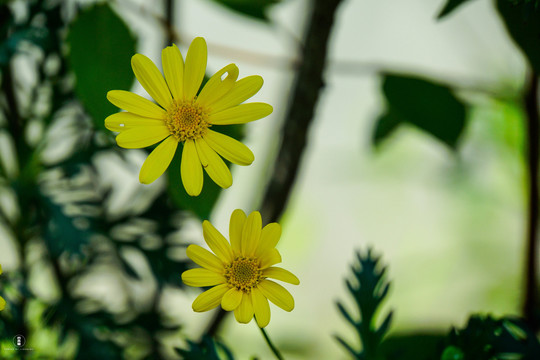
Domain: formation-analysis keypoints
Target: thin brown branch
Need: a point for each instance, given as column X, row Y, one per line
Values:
column 300, row 113
column 531, row 304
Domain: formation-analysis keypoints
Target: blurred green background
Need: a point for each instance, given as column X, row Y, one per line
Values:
column 417, row 148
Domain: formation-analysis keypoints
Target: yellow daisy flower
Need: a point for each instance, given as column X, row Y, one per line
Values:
column 239, row 271
column 182, row 116
column 2, row 301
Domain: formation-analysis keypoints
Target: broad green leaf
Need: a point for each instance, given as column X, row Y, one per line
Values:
column 450, row 6
column 425, row 104
column 252, row 8
column 100, row 50
column 522, row 20
column 385, row 126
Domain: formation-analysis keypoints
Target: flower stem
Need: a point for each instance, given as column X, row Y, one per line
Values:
column 271, row 345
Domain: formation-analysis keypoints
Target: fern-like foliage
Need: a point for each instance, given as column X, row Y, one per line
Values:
column 206, row 349
column 486, row 338
column 368, row 290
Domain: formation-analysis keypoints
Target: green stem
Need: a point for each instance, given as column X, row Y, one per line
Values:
column 271, row 345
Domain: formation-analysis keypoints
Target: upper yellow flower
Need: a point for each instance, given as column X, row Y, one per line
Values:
column 183, row 116
column 2, row 301
column 240, row 271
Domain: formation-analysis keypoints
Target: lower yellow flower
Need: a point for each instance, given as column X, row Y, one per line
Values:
column 185, row 115
column 239, row 271
column 2, row 301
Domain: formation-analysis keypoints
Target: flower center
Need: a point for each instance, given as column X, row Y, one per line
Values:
column 243, row 273
column 186, row 121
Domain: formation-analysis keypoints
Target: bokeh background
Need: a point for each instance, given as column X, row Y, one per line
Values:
column 92, row 259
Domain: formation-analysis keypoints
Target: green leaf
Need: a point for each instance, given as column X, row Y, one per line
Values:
column 487, row 338
column 100, row 49
column 368, row 292
column 522, row 20
column 252, row 8
column 207, row 349
column 417, row 346
column 425, row 104
column 203, row 204
column 450, row 6
column 384, row 127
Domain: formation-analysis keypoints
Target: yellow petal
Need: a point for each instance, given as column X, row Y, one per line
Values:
column 269, row 238
column 173, row 68
column 270, row 258
column 191, row 170
column 202, row 277
column 151, row 79
column 158, row 161
column 244, row 312
column 124, row 120
column 251, row 233
column 204, row 258
column 277, row 294
column 2, row 303
column 281, row 274
column 231, row 149
column 141, row 137
column 217, row 243
column 216, row 87
column 212, row 163
column 260, row 307
column 0, row 269
column 242, row 90
column 195, row 67
column 231, row 300
column 236, row 225
column 240, row 114
column 135, row 104
column 210, row 298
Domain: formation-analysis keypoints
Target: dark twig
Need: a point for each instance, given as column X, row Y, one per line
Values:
column 171, row 35
column 12, row 113
column 305, row 94
column 533, row 131
column 308, row 83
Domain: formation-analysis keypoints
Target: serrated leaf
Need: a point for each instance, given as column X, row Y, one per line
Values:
column 100, row 48
column 450, row 6
column 427, row 105
column 253, row 8
column 368, row 292
column 345, row 314
column 348, row 347
column 383, row 329
column 522, row 20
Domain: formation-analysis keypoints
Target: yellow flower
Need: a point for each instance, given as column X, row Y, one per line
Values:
column 2, row 301
column 240, row 271
column 182, row 116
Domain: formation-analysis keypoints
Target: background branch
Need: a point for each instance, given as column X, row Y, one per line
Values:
column 305, row 94
column 531, row 282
